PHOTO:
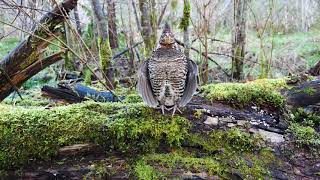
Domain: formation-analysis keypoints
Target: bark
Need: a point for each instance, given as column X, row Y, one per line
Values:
column 184, row 25
column 239, row 38
column 304, row 95
column 77, row 18
column 25, row 60
column 113, row 36
column 75, row 93
column 315, row 71
column 105, row 53
column 163, row 12
column 136, row 15
column 146, row 25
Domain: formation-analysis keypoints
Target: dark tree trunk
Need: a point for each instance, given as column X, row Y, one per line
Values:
column 25, row 60
column 239, row 38
column 113, row 36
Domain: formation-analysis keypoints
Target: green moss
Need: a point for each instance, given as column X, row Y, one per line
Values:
column 105, row 54
column 36, row 133
column 305, row 118
column 218, row 164
column 132, row 98
column 304, row 136
column 146, row 172
column 310, row 91
column 231, row 140
column 261, row 92
column 185, row 21
column 27, row 102
column 87, row 77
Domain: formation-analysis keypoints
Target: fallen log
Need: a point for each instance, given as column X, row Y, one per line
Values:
column 304, row 95
column 25, row 60
column 77, row 93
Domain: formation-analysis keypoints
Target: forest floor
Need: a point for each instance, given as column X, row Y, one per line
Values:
column 228, row 131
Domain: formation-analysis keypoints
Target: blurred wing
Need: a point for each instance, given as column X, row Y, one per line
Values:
column 144, row 86
column 191, row 84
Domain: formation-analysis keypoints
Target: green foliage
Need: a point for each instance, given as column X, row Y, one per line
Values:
column 35, row 133
column 105, row 54
column 87, row 76
column 304, row 136
column 185, row 21
column 6, row 45
column 260, row 92
column 145, row 172
column 306, row 118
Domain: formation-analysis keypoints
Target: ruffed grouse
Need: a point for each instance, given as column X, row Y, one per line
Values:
column 168, row 79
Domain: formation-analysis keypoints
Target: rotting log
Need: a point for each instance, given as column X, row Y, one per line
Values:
column 25, row 60
column 75, row 93
column 304, row 95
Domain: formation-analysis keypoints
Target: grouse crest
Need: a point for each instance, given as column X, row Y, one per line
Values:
column 168, row 79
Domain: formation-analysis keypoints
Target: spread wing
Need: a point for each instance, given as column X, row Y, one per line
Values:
column 191, row 83
column 144, row 86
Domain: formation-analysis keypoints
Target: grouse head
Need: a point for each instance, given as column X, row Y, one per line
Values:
column 167, row 38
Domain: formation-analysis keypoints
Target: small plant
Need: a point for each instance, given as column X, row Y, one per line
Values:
column 304, row 136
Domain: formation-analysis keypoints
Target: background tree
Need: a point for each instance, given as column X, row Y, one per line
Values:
column 105, row 53
column 239, row 38
column 112, row 25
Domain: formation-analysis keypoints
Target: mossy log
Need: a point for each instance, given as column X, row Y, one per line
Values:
column 77, row 93
column 25, row 60
column 304, row 95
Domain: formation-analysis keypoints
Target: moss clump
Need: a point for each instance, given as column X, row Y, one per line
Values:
column 133, row 98
column 185, row 21
column 306, row 118
column 27, row 102
column 218, row 153
column 304, row 136
column 261, row 92
column 35, row 133
column 146, row 172
column 105, row 54
column 87, row 77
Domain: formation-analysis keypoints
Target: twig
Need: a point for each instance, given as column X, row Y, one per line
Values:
column 203, row 54
column 126, row 50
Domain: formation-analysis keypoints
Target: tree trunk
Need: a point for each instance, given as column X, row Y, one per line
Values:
column 77, row 18
column 145, row 8
column 25, row 60
column 105, row 52
column 136, row 15
column 239, row 38
column 184, row 25
column 113, row 36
